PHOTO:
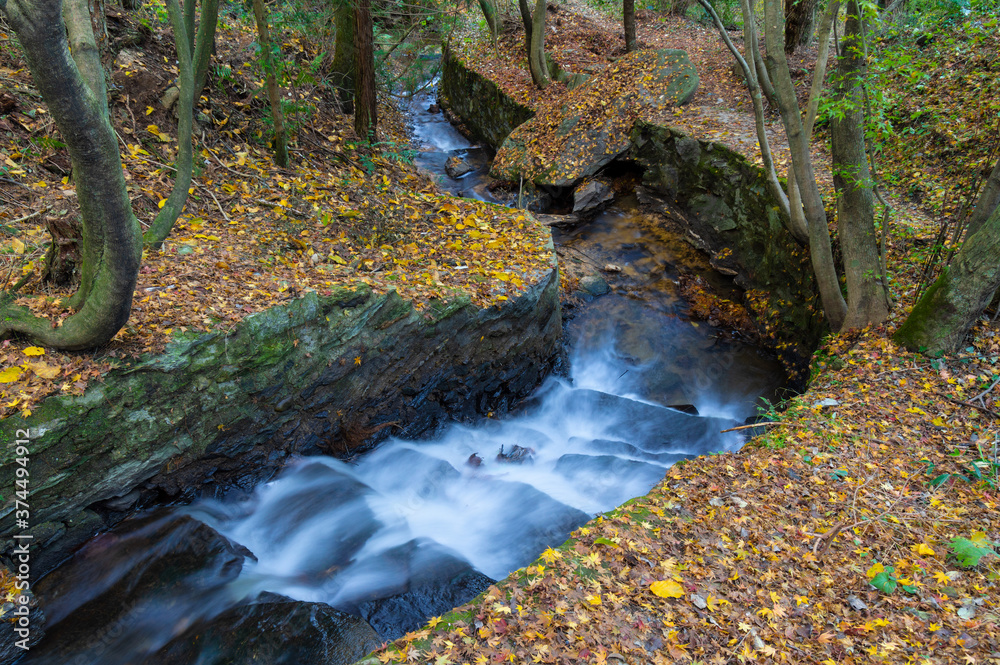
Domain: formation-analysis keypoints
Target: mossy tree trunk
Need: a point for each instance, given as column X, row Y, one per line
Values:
column 536, row 53
column 490, row 14
column 868, row 302
column 989, row 199
column 365, row 101
column 83, row 46
column 628, row 23
column 267, row 59
column 943, row 316
column 343, row 71
column 111, row 236
column 204, row 43
column 183, row 165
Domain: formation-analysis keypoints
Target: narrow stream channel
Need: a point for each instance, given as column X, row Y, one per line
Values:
column 413, row 528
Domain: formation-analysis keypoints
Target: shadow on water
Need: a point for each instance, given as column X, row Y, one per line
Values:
column 414, row 528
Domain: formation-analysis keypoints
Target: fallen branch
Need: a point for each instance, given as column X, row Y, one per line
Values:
column 989, row 412
column 734, row 429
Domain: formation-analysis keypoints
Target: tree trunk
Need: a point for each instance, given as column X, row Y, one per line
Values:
column 522, row 6
column 800, row 17
column 366, row 103
column 942, row 318
column 867, row 300
column 536, row 54
column 820, row 250
column 171, row 210
column 271, row 83
column 628, row 20
column 83, row 46
column 490, row 14
column 987, row 202
column 204, row 43
column 111, row 235
column 342, row 72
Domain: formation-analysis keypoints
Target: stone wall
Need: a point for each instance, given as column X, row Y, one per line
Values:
column 730, row 214
column 487, row 113
column 222, row 411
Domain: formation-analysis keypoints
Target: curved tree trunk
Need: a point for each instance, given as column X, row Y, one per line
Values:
column 525, row 10
column 628, row 22
column 111, row 236
column 800, row 18
column 343, row 71
column 271, row 84
column 867, row 300
column 171, row 210
column 366, row 104
column 820, row 250
column 83, row 46
column 941, row 318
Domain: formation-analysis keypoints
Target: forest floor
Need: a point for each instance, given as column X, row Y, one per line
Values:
column 859, row 528
column 862, row 527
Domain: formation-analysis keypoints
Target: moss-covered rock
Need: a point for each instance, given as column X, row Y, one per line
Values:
column 321, row 374
column 730, row 214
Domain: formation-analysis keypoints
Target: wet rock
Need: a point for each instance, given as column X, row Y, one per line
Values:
column 594, row 285
column 275, row 630
column 430, row 581
column 591, row 195
column 12, row 642
column 160, row 569
column 561, row 221
column 456, row 167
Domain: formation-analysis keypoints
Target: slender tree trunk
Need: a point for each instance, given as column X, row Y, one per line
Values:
column 343, row 70
column 987, row 202
column 204, row 42
column 490, row 14
column 536, row 54
column 366, row 103
column 525, row 10
column 800, row 16
column 83, row 46
column 111, row 236
column 820, row 248
column 271, row 83
column 943, row 316
column 628, row 21
column 867, row 300
column 171, row 210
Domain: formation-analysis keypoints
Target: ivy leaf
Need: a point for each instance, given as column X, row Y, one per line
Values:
column 885, row 581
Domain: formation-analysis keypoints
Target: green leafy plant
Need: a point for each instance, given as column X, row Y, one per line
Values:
column 969, row 551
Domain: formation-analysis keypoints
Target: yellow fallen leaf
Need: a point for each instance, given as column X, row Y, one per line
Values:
column 11, row 374
column 17, row 246
column 923, row 549
column 34, row 351
column 44, row 370
column 667, row 589
column 875, row 570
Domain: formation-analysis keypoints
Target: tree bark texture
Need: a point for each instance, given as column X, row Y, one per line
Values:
column 800, row 18
column 536, row 54
column 171, row 210
column 628, row 22
column 989, row 199
column 943, row 316
column 490, row 14
column 343, row 71
column 204, row 42
column 83, row 46
column 867, row 300
column 280, row 145
column 365, row 102
column 111, row 235
column 820, row 249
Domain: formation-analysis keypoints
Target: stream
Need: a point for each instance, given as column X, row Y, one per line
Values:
column 413, row 528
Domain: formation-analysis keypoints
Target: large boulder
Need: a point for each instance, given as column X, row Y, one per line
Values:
column 591, row 126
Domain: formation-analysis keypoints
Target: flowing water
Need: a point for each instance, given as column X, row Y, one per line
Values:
column 382, row 536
